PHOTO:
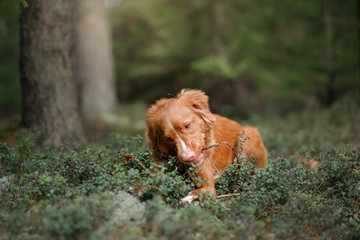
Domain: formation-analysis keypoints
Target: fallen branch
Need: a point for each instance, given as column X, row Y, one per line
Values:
column 227, row 195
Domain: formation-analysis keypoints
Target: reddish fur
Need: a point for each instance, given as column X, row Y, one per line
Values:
column 191, row 106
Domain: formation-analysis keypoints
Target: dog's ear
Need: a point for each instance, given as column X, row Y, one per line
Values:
column 199, row 103
column 151, row 138
column 151, row 135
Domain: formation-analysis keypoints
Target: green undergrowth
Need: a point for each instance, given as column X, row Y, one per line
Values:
column 106, row 191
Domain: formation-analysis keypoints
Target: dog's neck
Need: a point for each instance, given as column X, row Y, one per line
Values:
column 209, row 135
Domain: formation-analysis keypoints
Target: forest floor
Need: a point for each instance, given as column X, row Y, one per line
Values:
column 88, row 191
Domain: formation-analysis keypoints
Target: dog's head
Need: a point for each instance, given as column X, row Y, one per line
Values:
column 180, row 126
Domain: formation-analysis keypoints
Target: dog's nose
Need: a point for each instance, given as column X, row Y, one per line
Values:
column 189, row 157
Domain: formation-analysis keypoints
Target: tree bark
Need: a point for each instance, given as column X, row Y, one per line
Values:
column 49, row 106
column 358, row 32
column 92, row 59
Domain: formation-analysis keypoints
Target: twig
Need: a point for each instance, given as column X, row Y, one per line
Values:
column 218, row 144
column 227, row 195
column 217, row 171
column 142, row 166
column 129, row 157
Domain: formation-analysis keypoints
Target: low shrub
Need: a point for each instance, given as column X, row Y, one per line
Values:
column 107, row 191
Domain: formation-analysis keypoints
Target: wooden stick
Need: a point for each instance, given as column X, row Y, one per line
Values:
column 227, row 195
column 218, row 144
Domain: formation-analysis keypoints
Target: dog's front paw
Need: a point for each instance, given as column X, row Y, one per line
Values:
column 190, row 198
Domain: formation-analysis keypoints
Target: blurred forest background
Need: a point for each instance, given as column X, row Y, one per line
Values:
column 250, row 57
column 85, row 71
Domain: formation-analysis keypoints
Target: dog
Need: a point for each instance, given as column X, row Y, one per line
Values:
column 184, row 127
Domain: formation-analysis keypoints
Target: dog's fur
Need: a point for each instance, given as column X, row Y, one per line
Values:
column 184, row 126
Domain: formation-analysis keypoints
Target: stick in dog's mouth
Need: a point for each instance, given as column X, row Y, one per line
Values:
column 218, row 144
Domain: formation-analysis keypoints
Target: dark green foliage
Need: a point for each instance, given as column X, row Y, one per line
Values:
column 273, row 55
column 107, row 191
column 9, row 52
column 270, row 54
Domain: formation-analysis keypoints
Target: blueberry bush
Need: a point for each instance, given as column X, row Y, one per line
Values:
column 107, row 190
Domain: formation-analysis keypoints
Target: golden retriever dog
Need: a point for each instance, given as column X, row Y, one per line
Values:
column 184, row 127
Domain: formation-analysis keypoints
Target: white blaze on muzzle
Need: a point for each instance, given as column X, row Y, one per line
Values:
column 182, row 143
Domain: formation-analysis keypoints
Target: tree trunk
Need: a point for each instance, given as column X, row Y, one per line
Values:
column 92, row 57
column 358, row 32
column 49, row 106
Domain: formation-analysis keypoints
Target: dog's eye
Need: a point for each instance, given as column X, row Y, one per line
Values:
column 187, row 126
column 170, row 139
